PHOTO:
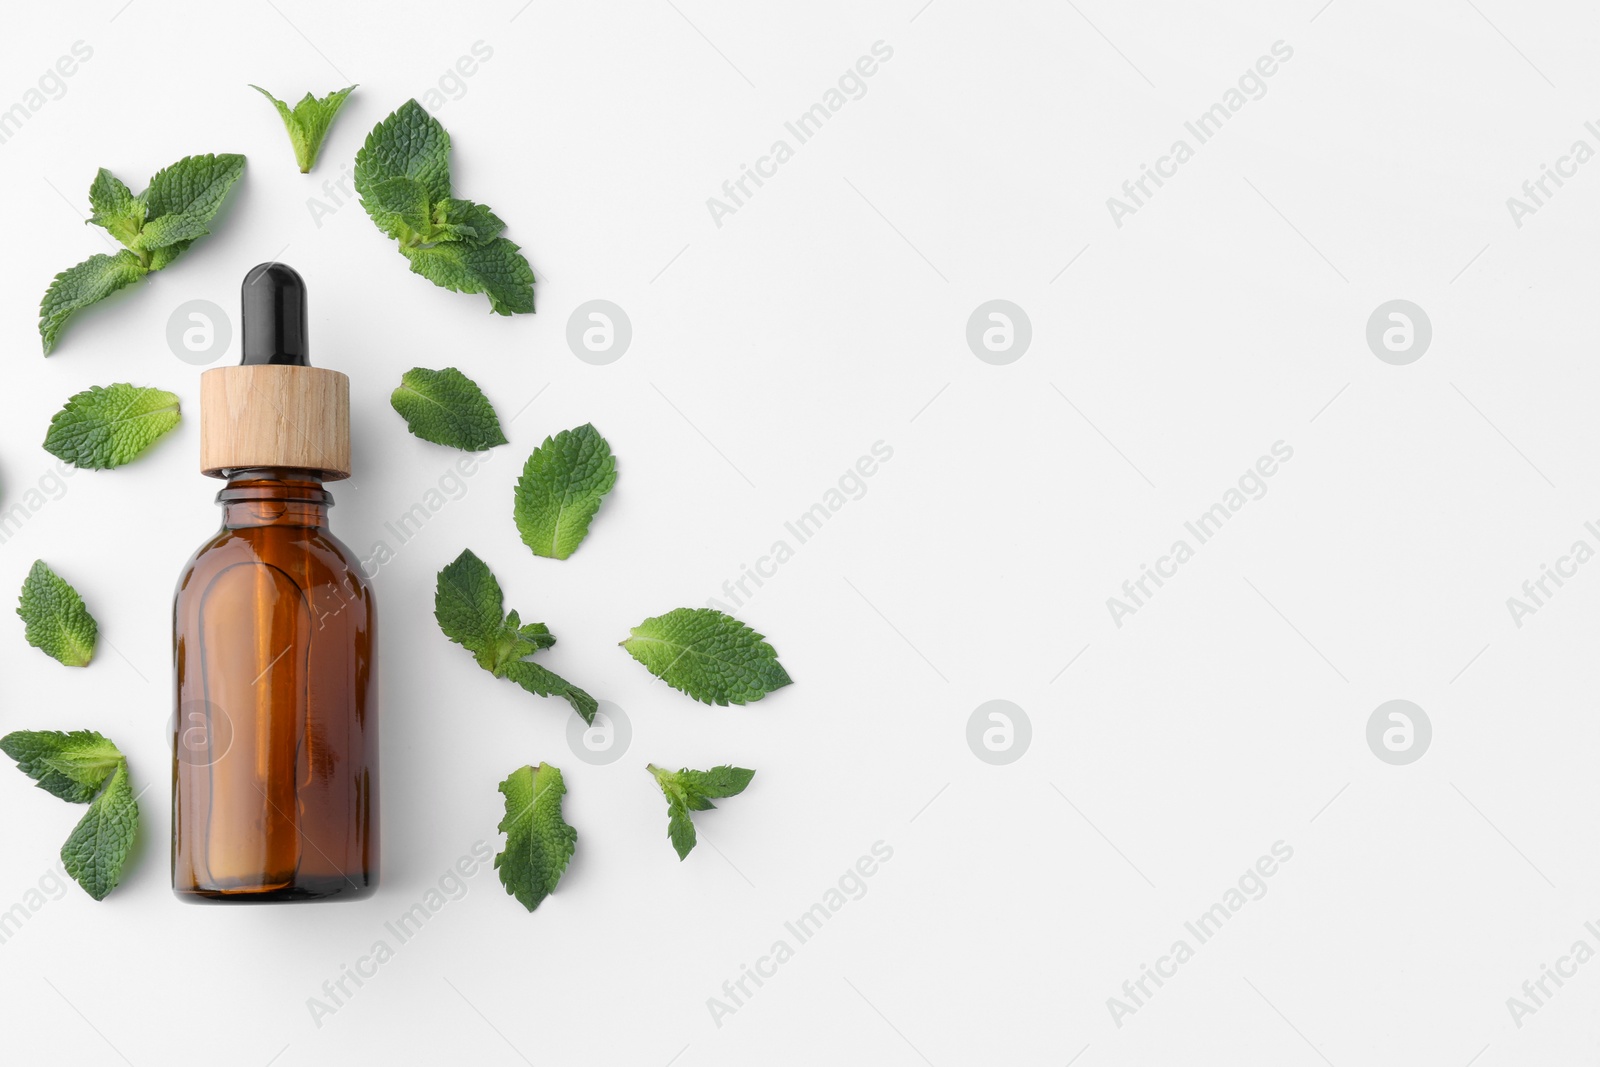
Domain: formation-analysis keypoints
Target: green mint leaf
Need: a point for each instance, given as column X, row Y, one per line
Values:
column 470, row 609
column 308, row 122
column 462, row 219
column 455, row 244
column 99, row 845
column 495, row 268
column 408, row 144
column 84, row 768
column 72, row 766
column 168, row 231
column 536, row 634
column 57, row 622
column 713, row 657
column 447, row 408
column 719, row 782
column 76, row 288
column 560, row 490
column 401, row 208
column 160, row 257
column 538, row 841
column 107, row 426
column 541, row 682
column 157, row 226
column 195, row 185
column 688, row 791
column 680, row 829
column 114, row 207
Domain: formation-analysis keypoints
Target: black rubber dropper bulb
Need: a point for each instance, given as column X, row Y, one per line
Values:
column 273, row 309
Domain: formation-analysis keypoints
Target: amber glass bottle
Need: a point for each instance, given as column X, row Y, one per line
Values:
column 275, row 742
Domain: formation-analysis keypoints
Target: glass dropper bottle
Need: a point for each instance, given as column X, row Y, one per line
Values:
column 275, row 766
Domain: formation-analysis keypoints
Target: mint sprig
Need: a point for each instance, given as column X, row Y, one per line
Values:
column 84, row 767
column 688, row 791
column 560, row 490
column 58, row 623
column 447, row 408
column 107, row 426
column 154, row 227
column 403, row 178
column 711, row 656
column 470, row 608
column 539, row 843
column 71, row 766
column 308, row 122
column 88, row 283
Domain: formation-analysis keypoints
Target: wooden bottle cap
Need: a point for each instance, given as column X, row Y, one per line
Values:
column 272, row 415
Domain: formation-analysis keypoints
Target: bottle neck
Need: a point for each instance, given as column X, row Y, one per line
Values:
column 274, row 496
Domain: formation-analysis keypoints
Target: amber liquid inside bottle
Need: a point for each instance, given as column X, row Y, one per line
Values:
column 275, row 765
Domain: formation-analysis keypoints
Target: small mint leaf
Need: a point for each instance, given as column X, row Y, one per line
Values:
column 495, row 268
column 541, row 682
column 99, row 845
column 562, row 485
column 713, row 657
column 114, row 207
column 308, row 122
column 58, row 624
column 109, row 425
column 408, row 144
column 195, row 185
column 72, row 766
column 447, row 408
column 78, row 287
column 400, row 208
column 539, row 843
column 470, row 610
column 688, row 791
column 169, row 230
column 719, row 782
column 160, row 257
column 466, row 220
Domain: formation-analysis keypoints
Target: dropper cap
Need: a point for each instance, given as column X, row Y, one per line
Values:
column 274, row 409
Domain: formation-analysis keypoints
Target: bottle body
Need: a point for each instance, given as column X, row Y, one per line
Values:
column 275, row 747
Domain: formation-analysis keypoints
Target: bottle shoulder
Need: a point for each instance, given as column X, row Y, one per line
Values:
column 312, row 553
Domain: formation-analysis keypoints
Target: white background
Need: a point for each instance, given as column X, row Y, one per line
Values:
column 768, row 354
